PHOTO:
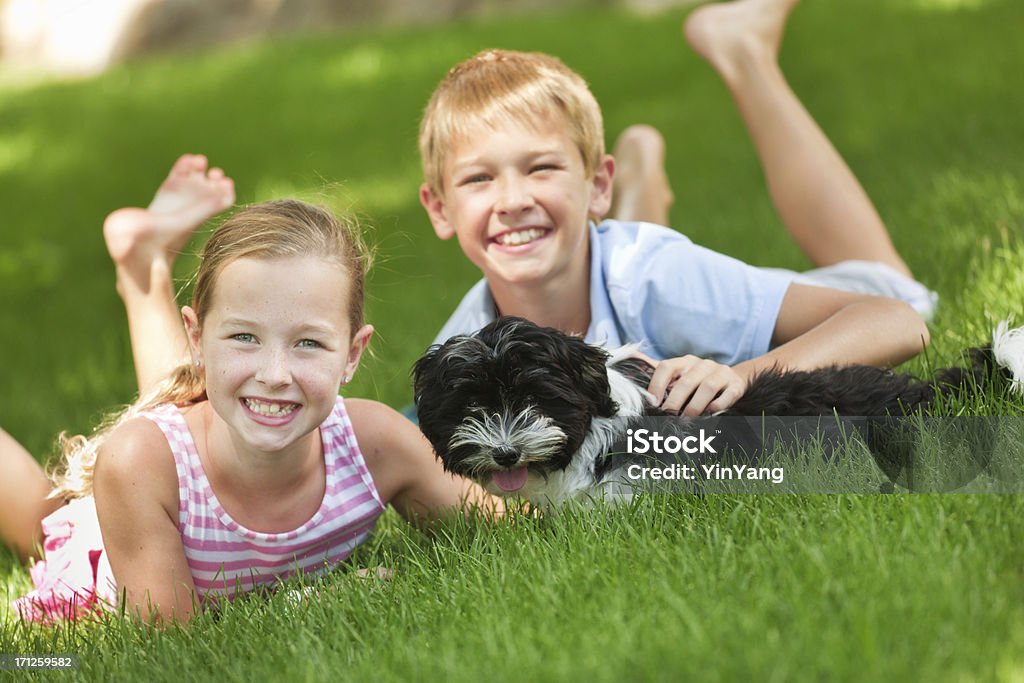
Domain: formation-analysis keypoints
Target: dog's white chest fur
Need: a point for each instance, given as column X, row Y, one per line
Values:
column 578, row 480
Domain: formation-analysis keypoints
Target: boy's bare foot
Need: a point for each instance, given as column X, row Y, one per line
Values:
column 641, row 191
column 731, row 35
column 138, row 239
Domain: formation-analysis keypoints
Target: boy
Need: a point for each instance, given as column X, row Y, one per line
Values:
column 514, row 166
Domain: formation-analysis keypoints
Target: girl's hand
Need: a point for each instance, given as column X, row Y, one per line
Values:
column 694, row 386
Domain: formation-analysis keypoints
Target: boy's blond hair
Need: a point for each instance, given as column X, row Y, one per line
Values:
column 502, row 86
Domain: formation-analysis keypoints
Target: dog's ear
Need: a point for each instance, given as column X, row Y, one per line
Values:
column 445, row 379
column 424, row 371
column 424, row 374
column 590, row 364
column 428, row 378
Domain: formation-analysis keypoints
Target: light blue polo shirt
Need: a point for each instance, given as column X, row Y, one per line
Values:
column 653, row 286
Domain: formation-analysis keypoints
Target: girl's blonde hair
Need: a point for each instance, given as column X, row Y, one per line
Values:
column 270, row 230
column 503, row 86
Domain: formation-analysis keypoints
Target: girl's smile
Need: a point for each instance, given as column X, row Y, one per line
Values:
column 271, row 413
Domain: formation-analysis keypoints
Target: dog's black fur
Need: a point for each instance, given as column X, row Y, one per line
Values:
column 511, row 366
column 513, row 376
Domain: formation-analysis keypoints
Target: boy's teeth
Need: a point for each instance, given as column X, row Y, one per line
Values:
column 520, row 237
column 269, row 409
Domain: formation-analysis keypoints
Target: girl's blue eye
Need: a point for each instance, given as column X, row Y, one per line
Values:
column 310, row 344
column 244, row 337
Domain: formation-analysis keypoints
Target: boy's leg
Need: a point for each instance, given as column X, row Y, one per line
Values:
column 23, row 502
column 641, row 190
column 143, row 244
column 815, row 193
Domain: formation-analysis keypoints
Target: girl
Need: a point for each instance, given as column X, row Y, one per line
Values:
column 244, row 465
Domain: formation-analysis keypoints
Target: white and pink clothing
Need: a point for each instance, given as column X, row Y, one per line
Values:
column 225, row 558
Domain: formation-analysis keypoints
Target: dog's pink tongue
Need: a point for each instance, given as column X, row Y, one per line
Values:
column 511, row 480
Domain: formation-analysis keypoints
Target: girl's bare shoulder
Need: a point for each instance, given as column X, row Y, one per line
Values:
column 135, row 460
column 395, row 451
column 379, row 427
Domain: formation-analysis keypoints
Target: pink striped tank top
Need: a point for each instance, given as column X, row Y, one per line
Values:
column 227, row 559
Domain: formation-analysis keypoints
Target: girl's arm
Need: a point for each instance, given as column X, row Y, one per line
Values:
column 136, row 489
column 406, row 472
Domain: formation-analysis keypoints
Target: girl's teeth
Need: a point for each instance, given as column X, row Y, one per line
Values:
column 269, row 409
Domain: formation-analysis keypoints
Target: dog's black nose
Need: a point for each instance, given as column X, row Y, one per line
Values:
column 506, row 456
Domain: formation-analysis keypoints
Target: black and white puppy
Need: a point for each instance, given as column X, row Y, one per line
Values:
column 532, row 411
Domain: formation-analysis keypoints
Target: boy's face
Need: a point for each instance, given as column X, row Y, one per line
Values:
column 518, row 199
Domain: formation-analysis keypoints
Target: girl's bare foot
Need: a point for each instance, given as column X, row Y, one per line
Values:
column 138, row 239
column 731, row 35
column 378, row 573
column 641, row 191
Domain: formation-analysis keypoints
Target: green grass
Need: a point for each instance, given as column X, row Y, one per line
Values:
column 922, row 97
column 670, row 588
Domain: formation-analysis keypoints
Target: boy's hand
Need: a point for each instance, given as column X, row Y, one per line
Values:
column 695, row 385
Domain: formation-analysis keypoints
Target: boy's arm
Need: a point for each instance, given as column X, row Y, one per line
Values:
column 136, row 490
column 816, row 327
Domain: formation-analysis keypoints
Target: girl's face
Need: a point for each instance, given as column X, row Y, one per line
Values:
column 276, row 346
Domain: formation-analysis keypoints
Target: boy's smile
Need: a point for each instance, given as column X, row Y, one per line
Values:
column 518, row 199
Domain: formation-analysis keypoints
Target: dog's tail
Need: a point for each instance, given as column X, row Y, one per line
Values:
column 1008, row 351
column 999, row 365
column 966, row 444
